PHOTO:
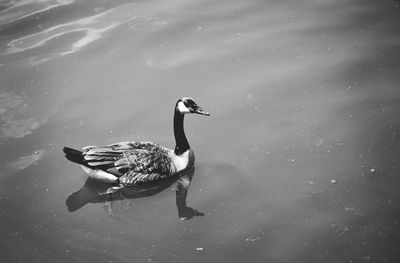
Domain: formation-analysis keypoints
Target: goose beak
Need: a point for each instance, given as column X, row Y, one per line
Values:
column 199, row 110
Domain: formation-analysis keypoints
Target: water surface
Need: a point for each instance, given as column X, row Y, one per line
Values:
column 297, row 163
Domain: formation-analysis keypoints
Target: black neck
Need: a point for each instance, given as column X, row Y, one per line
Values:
column 182, row 144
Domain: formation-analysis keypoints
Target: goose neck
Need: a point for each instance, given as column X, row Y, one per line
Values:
column 182, row 145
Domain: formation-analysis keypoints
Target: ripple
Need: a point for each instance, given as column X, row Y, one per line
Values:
column 89, row 29
column 18, row 10
column 26, row 161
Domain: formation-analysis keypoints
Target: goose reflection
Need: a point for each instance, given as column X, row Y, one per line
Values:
column 94, row 191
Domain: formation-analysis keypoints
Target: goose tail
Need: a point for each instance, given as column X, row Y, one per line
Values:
column 74, row 156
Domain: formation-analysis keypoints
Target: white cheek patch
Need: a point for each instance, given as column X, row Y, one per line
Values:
column 182, row 108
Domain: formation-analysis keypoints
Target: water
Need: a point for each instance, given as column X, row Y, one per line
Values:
column 297, row 163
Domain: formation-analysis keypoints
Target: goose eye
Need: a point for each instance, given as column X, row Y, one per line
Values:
column 191, row 103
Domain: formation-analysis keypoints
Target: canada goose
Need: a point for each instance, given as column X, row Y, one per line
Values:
column 128, row 163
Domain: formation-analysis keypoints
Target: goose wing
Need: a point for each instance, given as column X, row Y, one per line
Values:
column 132, row 162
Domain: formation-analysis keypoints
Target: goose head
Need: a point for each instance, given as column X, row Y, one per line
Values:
column 187, row 105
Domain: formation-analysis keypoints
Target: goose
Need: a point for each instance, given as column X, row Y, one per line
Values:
column 130, row 163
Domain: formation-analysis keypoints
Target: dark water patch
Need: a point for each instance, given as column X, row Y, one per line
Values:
column 5, row 5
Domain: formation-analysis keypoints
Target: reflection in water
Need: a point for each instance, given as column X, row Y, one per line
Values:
column 94, row 191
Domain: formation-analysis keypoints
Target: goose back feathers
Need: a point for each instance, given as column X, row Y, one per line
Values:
column 130, row 162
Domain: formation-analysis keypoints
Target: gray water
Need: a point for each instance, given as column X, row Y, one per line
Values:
column 298, row 161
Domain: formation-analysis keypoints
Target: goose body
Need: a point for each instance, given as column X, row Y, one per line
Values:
column 128, row 163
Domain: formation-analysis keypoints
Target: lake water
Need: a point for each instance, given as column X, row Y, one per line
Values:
column 298, row 161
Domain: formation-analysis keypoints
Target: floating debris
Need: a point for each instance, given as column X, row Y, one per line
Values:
column 252, row 239
column 339, row 227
